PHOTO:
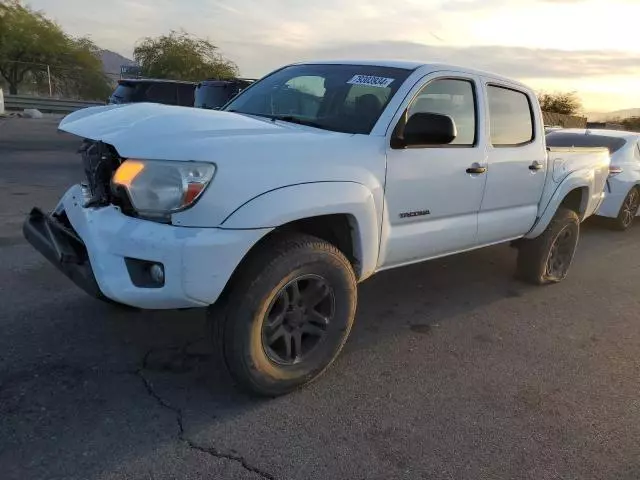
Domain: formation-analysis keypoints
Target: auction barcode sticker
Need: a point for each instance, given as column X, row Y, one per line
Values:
column 370, row 81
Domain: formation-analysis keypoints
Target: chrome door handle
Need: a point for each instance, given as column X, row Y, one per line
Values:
column 476, row 169
column 535, row 166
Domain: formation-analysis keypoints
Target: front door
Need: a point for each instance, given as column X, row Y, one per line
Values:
column 433, row 194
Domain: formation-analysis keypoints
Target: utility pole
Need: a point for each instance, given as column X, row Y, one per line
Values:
column 49, row 79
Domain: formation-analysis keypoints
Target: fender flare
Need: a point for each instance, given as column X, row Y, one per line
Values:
column 573, row 181
column 289, row 203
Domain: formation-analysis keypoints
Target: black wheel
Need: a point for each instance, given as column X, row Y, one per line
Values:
column 547, row 258
column 286, row 315
column 628, row 210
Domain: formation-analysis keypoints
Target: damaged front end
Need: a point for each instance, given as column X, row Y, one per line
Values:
column 100, row 161
column 52, row 234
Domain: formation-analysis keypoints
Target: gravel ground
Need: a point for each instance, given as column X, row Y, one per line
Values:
column 453, row 370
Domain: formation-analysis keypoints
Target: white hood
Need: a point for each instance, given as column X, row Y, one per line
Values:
column 144, row 128
column 252, row 155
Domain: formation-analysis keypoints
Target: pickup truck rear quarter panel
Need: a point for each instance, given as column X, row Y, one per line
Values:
column 581, row 168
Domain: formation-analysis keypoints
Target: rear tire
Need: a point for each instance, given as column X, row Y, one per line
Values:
column 286, row 315
column 628, row 210
column 547, row 258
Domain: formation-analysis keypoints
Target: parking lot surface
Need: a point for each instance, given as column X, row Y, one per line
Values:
column 453, row 370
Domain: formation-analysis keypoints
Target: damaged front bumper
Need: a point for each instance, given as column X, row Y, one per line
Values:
column 95, row 247
column 60, row 244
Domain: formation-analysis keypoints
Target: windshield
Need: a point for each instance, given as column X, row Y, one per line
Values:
column 564, row 139
column 342, row 98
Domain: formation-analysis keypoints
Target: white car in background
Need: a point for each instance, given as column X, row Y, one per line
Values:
column 622, row 191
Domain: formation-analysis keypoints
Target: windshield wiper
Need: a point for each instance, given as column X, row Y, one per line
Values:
column 296, row 120
column 285, row 118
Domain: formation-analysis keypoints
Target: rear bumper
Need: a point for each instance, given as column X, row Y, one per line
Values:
column 197, row 262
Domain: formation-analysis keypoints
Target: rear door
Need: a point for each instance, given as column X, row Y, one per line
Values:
column 517, row 164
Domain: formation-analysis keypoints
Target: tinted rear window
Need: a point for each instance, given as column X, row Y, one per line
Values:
column 214, row 95
column 559, row 139
column 510, row 117
column 123, row 93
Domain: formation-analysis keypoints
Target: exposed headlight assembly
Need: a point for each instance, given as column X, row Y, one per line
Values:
column 158, row 188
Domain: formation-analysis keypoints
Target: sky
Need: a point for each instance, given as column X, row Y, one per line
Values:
column 590, row 46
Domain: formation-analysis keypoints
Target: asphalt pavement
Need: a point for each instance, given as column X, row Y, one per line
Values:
column 454, row 370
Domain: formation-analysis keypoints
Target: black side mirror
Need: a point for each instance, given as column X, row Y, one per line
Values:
column 424, row 128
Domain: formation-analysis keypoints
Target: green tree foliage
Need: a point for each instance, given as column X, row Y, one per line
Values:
column 29, row 42
column 181, row 56
column 631, row 124
column 566, row 103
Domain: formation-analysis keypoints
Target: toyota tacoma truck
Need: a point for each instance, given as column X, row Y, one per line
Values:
column 269, row 212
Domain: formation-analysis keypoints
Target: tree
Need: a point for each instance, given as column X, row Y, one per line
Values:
column 181, row 56
column 29, row 42
column 566, row 103
column 631, row 123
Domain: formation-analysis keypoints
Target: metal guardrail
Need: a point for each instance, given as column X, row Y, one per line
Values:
column 46, row 104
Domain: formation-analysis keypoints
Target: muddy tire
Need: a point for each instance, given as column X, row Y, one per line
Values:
column 547, row 258
column 628, row 210
column 286, row 314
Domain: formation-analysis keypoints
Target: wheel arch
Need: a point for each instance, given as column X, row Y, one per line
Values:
column 577, row 200
column 342, row 213
column 575, row 193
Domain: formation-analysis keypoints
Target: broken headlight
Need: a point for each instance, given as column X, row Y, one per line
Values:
column 158, row 188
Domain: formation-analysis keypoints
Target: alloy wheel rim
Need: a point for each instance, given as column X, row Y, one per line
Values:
column 298, row 319
column 561, row 254
column 630, row 208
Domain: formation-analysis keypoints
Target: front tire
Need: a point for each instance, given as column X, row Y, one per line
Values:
column 628, row 210
column 286, row 315
column 547, row 258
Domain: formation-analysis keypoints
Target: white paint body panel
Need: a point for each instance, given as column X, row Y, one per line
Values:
column 581, row 168
column 628, row 159
column 513, row 191
column 197, row 261
column 271, row 173
column 433, row 179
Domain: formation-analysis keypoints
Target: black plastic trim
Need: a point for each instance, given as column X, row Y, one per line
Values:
column 63, row 248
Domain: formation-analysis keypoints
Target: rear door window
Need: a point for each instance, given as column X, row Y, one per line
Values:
column 510, row 117
column 161, row 93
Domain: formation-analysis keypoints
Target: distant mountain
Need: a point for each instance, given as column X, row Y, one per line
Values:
column 602, row 116
column 112, row 61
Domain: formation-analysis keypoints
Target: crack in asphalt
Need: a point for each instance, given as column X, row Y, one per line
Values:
column 181, row 431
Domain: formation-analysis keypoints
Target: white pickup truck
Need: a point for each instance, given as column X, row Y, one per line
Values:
column 271, row 211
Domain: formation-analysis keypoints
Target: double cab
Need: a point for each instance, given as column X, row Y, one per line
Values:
column 269, row 212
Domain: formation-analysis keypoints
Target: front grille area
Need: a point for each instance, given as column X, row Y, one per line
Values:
column 100, row 161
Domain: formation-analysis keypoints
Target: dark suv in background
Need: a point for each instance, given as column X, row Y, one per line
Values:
column 169, row 92
column 213, row 94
